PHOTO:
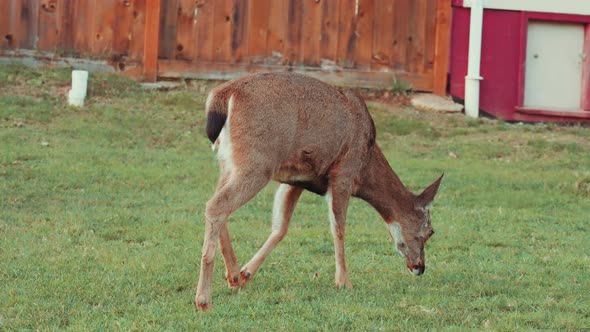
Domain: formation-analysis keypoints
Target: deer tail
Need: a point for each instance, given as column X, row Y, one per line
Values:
column 216, row 110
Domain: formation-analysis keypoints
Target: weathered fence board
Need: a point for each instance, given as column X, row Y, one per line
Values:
column 383, row 42
column 402, row 35
column 367, row 41
column 311, row 32
column 186, row 31
column 329, row 34
column 239, row 37
column 168, row 25
column 136, row 31
column 151, row 38
column 442, row 46
column 364, row 33
column 277, row 29
column 347, row 36
column 294, row 21
column 28, row 20
column 222, row 30
column 204, row 30
column 259, row 11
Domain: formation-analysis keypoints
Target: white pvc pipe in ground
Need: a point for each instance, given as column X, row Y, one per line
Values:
column 77, row 94
column 474, row 60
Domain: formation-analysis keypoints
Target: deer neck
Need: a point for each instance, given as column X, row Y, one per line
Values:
column 382, row 188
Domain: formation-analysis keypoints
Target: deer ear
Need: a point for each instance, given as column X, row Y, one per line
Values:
column 424, row 200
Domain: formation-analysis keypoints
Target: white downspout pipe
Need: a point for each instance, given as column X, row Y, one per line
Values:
column 474, row 59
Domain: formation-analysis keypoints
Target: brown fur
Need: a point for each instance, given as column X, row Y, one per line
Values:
column 309, row 135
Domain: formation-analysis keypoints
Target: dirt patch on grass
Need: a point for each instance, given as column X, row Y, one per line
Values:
column 583, row 186
column 385, row 96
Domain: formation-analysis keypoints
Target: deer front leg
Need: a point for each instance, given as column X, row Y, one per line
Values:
column 337, row 207
column 284, row 204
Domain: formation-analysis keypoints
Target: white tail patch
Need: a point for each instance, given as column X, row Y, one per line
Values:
column 223, row 142
column 210, row 96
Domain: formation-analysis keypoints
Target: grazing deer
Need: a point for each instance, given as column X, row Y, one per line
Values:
column 304, row 134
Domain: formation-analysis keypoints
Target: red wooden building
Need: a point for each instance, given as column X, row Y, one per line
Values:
column 534, row 63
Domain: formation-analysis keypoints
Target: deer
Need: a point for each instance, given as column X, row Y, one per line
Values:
column 306, row 135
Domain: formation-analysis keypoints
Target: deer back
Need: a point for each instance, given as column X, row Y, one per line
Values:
column 295, row 123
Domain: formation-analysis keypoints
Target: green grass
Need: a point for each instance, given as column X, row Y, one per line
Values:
column 101, row 222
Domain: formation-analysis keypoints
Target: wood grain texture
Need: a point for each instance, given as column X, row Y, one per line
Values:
column 383, row 35
column 29, row 22
column 136, row 43
column 66, row 26
column 103, row 27
column 168, row 25
column 239, row 33
column 364, row 34
column 204, row 30
column 48, row 38
column 429, row 35
column 277, row 32
column 258, row 30
column 11, row 29
column 293, row 42
column 222, row 30
column 151, row 40
column 401, row 33
column 347, row 37
column 416, row 35
column 442, row 46
column 311, row 32
column 401, row 37
column 83, row 33
column 122, row 27
column 329, row 32
column 185, row 31
column 7, row 36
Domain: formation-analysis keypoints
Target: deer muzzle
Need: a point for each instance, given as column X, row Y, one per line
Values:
column 417, row 269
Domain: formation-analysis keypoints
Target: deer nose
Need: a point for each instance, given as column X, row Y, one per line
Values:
column 417, row 270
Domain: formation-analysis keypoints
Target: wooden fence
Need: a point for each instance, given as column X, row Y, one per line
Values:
column 352, row 42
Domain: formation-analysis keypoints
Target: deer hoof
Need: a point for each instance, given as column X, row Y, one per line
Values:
column 233, row 281
column 344, row 284
column 245, row 275
column 202, row 303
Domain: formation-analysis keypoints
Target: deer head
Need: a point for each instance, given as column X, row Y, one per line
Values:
column 412, row 228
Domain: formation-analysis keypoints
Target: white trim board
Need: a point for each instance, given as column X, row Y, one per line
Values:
column 576, row 7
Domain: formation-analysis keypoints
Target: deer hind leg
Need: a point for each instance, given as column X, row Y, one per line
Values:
column 337, row 206
column 231, row 195
column 232, row 268
column 286, row 198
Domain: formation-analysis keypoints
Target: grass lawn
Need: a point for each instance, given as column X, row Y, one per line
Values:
column 101, row 222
